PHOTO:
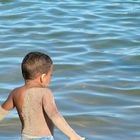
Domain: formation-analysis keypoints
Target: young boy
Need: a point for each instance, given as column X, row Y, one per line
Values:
column 35, row 103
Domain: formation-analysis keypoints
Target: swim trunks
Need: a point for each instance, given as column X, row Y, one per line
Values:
column 25, row 137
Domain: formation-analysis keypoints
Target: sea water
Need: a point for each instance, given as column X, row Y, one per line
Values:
column 95, row 46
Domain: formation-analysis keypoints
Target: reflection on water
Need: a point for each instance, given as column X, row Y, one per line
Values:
column 95, row 48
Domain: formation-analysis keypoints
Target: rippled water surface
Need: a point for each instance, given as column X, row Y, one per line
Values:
column 95, row 46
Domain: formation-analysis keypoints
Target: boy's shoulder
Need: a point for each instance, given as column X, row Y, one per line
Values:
column 17, row 90
column 45, row 90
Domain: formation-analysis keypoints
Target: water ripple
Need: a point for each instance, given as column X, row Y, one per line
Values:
column 95, row 48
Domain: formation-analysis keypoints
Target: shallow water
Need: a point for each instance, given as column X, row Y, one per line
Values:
column 95, row 46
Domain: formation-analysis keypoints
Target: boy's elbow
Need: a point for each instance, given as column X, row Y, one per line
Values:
column 54, row 114
column 3, row 113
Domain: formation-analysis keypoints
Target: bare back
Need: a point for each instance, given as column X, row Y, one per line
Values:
column 29, row 104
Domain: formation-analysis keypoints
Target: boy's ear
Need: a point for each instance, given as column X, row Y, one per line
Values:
column 42, row 77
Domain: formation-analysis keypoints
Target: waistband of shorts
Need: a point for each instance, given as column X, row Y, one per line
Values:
column 34, row 137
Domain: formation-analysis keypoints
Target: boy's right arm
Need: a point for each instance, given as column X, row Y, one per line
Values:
column 3, row 113
column 6, row 106
column 59, row 121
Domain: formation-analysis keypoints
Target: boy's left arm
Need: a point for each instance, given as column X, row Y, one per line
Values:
column 6, row 106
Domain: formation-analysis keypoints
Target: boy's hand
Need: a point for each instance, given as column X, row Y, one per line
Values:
column 82, row 138
column 77, row 138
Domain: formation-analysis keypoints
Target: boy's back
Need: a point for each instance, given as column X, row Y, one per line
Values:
column 30, row 104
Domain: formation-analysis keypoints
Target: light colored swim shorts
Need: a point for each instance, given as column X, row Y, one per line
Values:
column 35, row 138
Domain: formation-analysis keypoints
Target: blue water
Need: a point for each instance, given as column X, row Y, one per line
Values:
column 95, row 46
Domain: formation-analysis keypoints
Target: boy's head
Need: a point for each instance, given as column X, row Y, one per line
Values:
column 35, row 64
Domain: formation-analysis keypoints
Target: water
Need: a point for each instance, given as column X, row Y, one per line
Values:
column 95, row 46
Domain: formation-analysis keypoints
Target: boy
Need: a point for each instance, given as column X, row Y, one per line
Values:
column 35, row 103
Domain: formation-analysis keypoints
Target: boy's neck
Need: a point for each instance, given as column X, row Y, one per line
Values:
column 32, row 83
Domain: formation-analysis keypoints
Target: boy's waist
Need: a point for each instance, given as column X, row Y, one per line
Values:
column 36, row 131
